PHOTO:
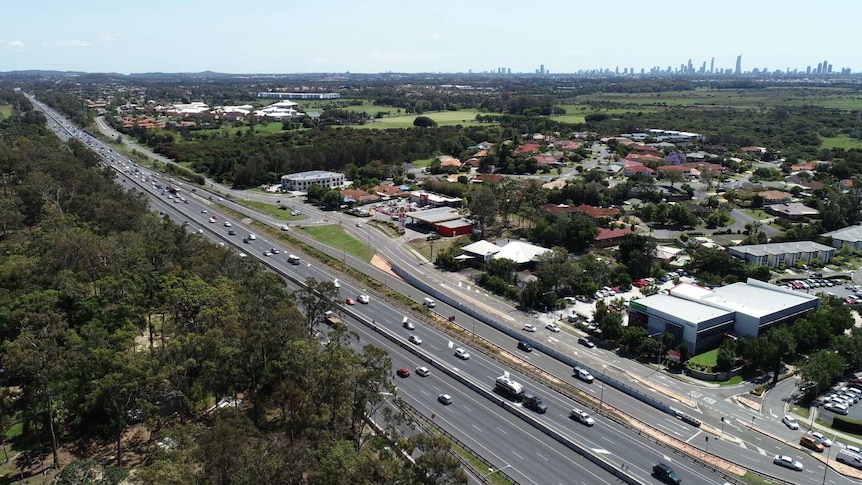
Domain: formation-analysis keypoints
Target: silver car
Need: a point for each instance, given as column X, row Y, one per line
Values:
column 787, row 462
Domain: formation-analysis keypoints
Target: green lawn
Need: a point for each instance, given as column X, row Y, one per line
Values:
column 5, row 110
column 335, row 236
column 829, row 97
column 271, row 210
column 422, row 163
column 841, row 141
column 706, row 358
column 757, row 213
column 271, row 127
column 464, row 117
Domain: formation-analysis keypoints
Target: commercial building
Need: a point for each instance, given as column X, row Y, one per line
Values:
column 792, row 210
column 700, row 317
column 301, row 181
column 788, row 253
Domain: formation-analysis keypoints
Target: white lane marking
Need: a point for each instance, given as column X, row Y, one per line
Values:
column 761, row 450
column 600, row 451
column 693, row 436
column 478, row 428
column 501, row 430
column 542, row 457
column 519, row 456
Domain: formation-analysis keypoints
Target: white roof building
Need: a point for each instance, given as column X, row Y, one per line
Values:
column 279, row 110
column 520, row 252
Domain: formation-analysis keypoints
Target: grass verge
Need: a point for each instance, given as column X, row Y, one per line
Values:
column 335, row 236
column 706, row 358
column 270, row 210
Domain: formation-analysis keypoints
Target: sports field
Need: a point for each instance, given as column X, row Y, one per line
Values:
column 464, row 117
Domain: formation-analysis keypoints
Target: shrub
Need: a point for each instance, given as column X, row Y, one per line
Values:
column 847, row 424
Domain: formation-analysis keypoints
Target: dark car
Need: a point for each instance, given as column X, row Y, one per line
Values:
column 525, row 346
column 666, row 474
column 534, row 403
column 586, row 342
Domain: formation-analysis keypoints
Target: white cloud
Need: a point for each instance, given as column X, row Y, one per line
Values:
column 107, row 38
column 75, row 43
column 16, row 43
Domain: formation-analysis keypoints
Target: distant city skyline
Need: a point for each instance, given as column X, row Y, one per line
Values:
column 373, row 36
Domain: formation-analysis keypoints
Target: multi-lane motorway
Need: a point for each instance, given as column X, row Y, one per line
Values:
column 529, row 455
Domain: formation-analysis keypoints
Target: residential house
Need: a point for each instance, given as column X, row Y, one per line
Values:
column 792, row 210
column 631, row 169
column 566, row 145
column 775, row 196
column 548, row 160
column 610, row 237
column 529, row 147
column 559, row 208
column 596, row 213
column 389, row 190
column 490, row 178
column 358, row 196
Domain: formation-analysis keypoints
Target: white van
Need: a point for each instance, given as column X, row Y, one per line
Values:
column 849, row 458
column 292, row 259
column 430, row 303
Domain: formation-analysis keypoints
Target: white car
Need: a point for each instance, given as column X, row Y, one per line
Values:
column 820, row 438
column 552, row 327
column 583, row 374
column 414, row 339
column 227, row 224
column 462, row 354
column 582, row 417
column 790, row 422
column 529, row 327
column 212, row 221
column 837, row 408
column 267, row 254
column 787, row 462
column 854, row 449
column 364, row 299
column 423, row 371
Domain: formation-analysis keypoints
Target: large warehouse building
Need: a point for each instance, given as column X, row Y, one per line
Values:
column 699, row 317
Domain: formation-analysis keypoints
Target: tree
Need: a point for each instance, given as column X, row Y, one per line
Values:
column 317, row 298
column 822, row 369
column 785, row 348
column 726, row 355
column 673, row 176
column 637, row 253
column 483, row 206
column 611, row 326
column 632, row 336
column 436, row 465
column 424, row 122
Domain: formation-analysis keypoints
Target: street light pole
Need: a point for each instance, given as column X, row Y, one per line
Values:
column 826, row 465
column 722, row 427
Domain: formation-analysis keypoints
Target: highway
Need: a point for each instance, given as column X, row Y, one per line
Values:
column 605, row 438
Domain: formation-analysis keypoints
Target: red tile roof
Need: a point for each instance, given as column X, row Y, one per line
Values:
column 598, row 212
column 491, row 178
column 558, row 208
column 605, row 234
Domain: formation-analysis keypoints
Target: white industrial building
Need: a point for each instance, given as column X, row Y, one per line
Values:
column 301, row 181
column 280, row 110
column 700, row 317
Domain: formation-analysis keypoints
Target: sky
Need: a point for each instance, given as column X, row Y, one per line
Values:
column 371, row 36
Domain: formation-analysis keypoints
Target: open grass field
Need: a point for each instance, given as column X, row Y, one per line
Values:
column 837, row 98
column 841, row 141
column 422, row 163
column 706, row 358
column 269, row 128
column 271, row 210
column 335, row 236
column 5, row 111
column 464, row 117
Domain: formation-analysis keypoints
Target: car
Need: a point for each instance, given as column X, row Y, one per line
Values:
column 275, row 251
column 854, row 449
column 403, row 372
column 553, row 327
column 423, row 371
column 349, row 301
column 823, row 440
column 787, row 462
column 215, row 217
column 185, row 223
column 335, row 283
column 529, row 327
column 231, row 233
column 586, row 342
column 582, row 417
column 811, row 443
column 444, row 399
column 583, row 374
column 267, row 254
column 408, row 325
column 364, row 299
column 414, row 339
column 790, row 422
column 837, row 408
column 227, row 224
column 212, row 220
column 358, row 224
column 533, row 402
column 525, row 346
column 666, row 474
column 462, row 354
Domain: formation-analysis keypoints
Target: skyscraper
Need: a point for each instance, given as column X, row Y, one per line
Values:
column 738, row 65
column 712, row 65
